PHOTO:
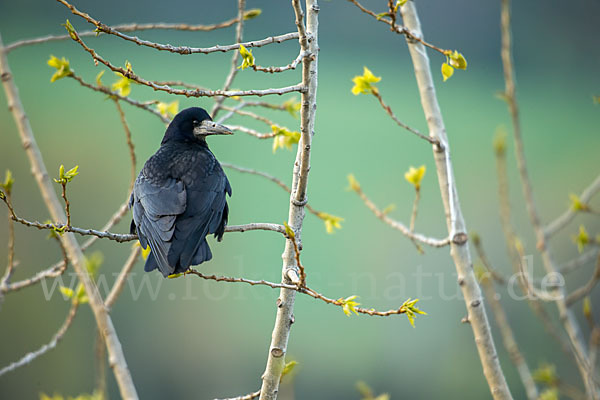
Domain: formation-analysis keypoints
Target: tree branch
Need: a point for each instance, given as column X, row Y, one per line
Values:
column 569, row 214
column 103, row 320
column 456, row 225
column 125, row 28
column 433, row 242
column 284, row 318
column 586, row 289
column 567, row 317
column 29, row 357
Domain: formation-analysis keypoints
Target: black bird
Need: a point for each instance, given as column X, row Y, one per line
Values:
column 179, row 196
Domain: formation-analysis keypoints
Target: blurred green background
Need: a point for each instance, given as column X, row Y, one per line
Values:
column 201, row 339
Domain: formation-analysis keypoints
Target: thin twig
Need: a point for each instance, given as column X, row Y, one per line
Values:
column 509, row 236
column 128, row 237
column 433, row 242
column 389, row 111
column 476, row 240
column 566, row 315
column 184, row 92
column 579, row 261
column 119, row 284
column 255, row 116
column 103, row 320
column 252, row 132
column 271, row 70
column 410, row 35
column 29, row 357
column 125, row 28
column 233, row 69
column 586, row 289
column 5, row 280
column 184, row 50
column 570, row 213
column 301, row 289
column 413, row 216
column 67, row 204
column 116, row 95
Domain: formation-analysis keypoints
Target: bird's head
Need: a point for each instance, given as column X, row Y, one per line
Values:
column 193, row 124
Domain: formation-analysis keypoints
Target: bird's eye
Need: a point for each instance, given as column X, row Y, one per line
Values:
column 195, row 122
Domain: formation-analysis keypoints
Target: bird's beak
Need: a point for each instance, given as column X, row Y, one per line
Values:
column 208, row 127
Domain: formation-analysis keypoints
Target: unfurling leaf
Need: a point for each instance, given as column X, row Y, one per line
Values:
column 288, row 368
column 414, row 176
column 292, row 106
column 93, row 263
column 123, row 85
column 364, row 83
column 289, row 231
column 331, row 221
column 168, row 109
column 99, row 79
column 388, row 209
column 549, row 394
column 284, row 137
column 253, row 13
column 354, row 185
column 64, row 177
column 457, row 60
column 481, row 273
column 248, row 58
column 587, row 307
column 399, row 4
column 499, row 142
column 447, row 71
column 349, row 305
column 410, row 309
column 577, row 204
column 62, row 68
column 8, row 182
column 70, row 29
column 582, row 239
column 67, row 292
column 546, row 374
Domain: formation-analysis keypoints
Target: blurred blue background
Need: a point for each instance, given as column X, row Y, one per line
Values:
column 201, row 339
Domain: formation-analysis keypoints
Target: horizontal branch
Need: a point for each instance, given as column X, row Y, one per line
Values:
column 127, row 237
column 177, row 49
column 433, row 242
column 107, row 91
column 128, row 73
column 396, row 28
column 581, row 260
column 131, row 27
column 297, row 288
column 252, row 132
column 388, row 110
column 584, row 290
column 569, row 214
column 29, row 357
column 271, row 70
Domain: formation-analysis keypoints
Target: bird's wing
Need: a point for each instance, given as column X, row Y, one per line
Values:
column 206, row 213
column 155, row 210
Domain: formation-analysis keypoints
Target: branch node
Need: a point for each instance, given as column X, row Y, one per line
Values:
column 300, row 203
column 277, row 352
column 460, row 238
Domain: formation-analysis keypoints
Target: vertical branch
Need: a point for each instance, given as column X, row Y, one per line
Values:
column 285, row 303
column 239, row 31
column 456, row 226
column 566, row 316
column 103, row 320
column 10, row 266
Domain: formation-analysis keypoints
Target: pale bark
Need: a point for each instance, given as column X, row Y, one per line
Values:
column 459, row 249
